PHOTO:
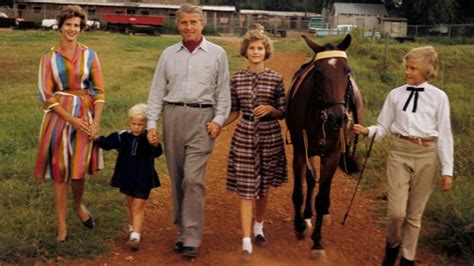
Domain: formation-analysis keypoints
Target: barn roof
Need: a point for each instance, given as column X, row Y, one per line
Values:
column 277, row 13
column 126, row 4
column 361, row 9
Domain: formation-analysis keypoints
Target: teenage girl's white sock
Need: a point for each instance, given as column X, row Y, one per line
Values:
column 135, row 235
column 258, row 228
column 247, row 244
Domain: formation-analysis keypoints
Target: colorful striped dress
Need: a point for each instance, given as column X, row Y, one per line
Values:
column 76, row 85
column 257, row 155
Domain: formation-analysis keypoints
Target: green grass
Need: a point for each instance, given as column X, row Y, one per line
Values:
column 449, row 216
column 27, row 226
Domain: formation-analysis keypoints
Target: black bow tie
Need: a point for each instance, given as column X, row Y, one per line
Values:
column 414, row 91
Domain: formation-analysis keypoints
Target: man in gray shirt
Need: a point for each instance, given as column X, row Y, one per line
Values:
column 191, row 90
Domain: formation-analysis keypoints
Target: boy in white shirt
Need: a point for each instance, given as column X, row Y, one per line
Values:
column 418, row 115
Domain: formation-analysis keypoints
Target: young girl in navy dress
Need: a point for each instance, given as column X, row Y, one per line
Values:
column 134, row 172
column 417, row 114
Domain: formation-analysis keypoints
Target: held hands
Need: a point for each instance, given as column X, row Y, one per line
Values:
column 360, row 130
column 213, row 129
column 94, row 129
column 152, row 137
column 446, row 182
column 262, row 110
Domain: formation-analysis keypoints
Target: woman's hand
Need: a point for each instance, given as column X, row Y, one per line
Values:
column 263, row 110
column 94, row 129
column 360, row 130
column 80, row 125
column 446, row 182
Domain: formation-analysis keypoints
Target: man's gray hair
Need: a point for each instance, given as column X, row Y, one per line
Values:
column 189, row 8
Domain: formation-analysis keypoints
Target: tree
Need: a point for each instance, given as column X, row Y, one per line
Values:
column 6, row 3
column 466, row 8
column 430, row 12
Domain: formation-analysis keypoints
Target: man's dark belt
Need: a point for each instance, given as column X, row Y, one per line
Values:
column 253, row 118
column 193, row 105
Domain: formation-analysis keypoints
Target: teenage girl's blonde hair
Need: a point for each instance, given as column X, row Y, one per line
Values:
column 138, row 111
column 256, row 35
column 427, row 60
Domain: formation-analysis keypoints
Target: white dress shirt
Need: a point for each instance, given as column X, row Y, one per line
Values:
column 431, row 120
column 198, row 77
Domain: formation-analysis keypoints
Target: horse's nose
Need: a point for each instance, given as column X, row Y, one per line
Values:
column 336, row 120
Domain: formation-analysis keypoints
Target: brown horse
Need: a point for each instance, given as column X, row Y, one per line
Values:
column 322, row 104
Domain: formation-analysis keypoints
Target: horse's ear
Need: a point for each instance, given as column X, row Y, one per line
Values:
column 314, row 46
column 345, row 43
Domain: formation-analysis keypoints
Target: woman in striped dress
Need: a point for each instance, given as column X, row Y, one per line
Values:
column 72, row 93
column 257, row 157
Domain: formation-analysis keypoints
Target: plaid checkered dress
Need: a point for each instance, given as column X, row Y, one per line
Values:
column 257, row 155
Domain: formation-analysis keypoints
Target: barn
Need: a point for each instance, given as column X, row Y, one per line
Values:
column 297, row 21
column 365, row 16
column 36, row 10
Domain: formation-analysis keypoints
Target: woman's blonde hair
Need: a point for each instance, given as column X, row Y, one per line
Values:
column 138, row 111
column 428, row 60
column 71, row 11
column 256, row 35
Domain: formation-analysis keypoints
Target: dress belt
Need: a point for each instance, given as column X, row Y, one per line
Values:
column 253, row 118
column 193, row 105
column 73, row 92
column 416, row 140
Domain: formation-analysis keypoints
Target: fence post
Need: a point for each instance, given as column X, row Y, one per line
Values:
column 215, row 22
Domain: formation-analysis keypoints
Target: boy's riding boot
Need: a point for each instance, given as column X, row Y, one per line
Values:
column 390, row 255
column 405, row 262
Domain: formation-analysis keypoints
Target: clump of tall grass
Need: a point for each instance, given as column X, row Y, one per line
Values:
column 451, row 219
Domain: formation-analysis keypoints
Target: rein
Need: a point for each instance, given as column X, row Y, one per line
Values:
column 324, row 116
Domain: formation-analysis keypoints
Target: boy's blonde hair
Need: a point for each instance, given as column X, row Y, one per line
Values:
column 428, row 63
column 256, row 35
column 138, row 111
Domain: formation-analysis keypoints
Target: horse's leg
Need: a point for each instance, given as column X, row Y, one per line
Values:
column 297, row 197
column 310, row 184
column 322, row 201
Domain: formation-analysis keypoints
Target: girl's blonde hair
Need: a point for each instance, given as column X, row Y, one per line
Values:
column 428, row 60
column 256, row 35
column 138, row 111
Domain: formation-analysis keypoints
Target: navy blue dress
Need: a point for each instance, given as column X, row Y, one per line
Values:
column 134, row 172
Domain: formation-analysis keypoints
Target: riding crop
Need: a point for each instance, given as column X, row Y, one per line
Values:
column 360, row 177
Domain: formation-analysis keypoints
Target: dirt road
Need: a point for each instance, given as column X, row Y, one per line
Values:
column 359, row 242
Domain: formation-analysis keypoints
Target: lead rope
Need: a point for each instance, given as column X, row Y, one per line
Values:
column 343, row 149
column 308, row 163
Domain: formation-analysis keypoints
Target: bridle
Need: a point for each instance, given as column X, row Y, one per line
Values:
column 325, row 105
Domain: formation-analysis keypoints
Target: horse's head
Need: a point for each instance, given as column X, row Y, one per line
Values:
column 331, row 80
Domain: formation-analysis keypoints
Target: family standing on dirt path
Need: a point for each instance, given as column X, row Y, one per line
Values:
column 195, row 96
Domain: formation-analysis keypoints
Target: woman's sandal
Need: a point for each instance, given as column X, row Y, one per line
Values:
column 89, row 223
column 63, row 240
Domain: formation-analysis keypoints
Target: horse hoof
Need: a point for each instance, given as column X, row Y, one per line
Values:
column 318, row 254
column 300, row 235
column 327, row 219
column 309, row 226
